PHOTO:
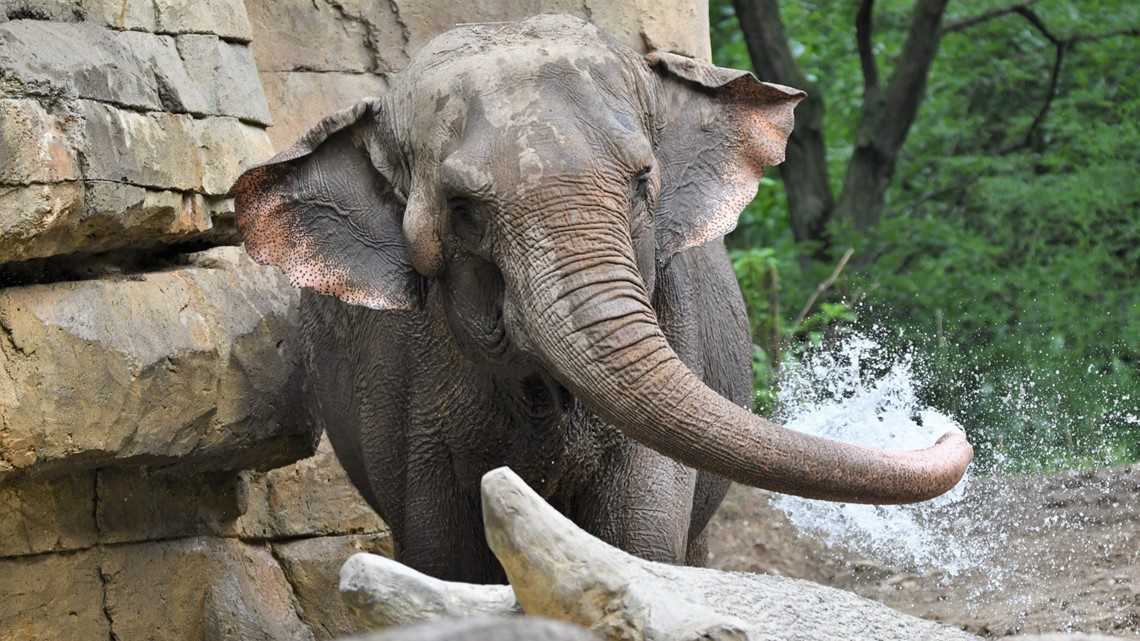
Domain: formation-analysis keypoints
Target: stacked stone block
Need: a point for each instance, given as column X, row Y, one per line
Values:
column 147, row 381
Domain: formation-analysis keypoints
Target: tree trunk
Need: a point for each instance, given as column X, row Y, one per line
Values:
column 804, row 172
column 886, row 117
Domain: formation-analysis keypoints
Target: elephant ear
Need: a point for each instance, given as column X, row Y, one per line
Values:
column 324, row 214
column 717, row 130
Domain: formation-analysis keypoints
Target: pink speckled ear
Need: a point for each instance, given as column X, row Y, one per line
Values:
column 324, row 214
column 718, row 129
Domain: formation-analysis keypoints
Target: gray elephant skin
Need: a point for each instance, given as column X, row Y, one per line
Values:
column 515, row 258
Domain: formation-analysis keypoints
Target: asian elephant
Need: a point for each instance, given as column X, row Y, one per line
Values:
column 515, row 257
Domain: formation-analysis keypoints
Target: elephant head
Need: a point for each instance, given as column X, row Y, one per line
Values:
column 540, row 174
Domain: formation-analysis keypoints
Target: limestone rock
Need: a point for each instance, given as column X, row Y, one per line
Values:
column 80, row 60
column 559, row 571
column 228, row 147
column 352, row 36
column 225, row 18
column 52, row 516
column 138, row 505
column 229, row 71
column 298, row 100
column 312, row 567
column 484, row 629
column 56, row 10
column 193, row 73
column 642, row 25
column 117, row 14
column 646, row 25
column 186, row 367
column 33, row 148
column 52, row 597
column 384, row 593
column 311, row 497
column 147, row 178
column 199, row 588
column 40, row 220
column 153, row 149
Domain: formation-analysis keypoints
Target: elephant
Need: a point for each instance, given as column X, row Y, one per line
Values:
column 515, row 257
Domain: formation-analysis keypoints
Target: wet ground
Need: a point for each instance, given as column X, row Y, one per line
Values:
column 1061, row 553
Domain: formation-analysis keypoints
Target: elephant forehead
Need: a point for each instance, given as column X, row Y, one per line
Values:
column 517, row 87
column 559, row 114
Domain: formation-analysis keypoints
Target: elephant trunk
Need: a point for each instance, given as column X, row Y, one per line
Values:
column 584, row 306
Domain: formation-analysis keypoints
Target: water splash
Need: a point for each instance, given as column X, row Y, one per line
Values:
column 1041, row 551
column 831, row 394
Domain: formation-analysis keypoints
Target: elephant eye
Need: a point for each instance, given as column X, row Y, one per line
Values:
column 462, row 210
column 464, row 221
column 641, row 183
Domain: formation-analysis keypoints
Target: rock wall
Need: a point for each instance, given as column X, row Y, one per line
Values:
column 156, row 478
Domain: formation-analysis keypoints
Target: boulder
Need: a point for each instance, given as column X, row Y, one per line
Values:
column 74, row 60
column 53, row 597
column 312, row 497
column 299, row 99
column 346, row 36
column 195, row 73
column 643, row 25
column 227, row 74
column 146, row 180
column 199, row 588
column 301, row 502
column 33, row 148
column 226, row 18
column 186, row 368
column 47, row 516
column 312, row 566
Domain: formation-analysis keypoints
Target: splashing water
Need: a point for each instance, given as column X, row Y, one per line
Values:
column 830, row 394
column 1042, row 551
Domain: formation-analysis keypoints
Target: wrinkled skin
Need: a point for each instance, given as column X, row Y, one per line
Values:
column 527, row 231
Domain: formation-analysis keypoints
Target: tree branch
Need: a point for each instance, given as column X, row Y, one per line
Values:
column 966, row 23
column 1092, row 37
column 1050, row 94
column 863, row 31
column 823, row 287
column 907, row 85
column 1031, row 16
column 1060, row 47
column 886, row 118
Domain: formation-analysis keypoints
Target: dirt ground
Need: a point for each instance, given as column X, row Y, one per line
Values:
column 1062, row 554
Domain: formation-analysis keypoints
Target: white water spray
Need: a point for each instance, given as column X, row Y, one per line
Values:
column 830, row 394
column 1014, row 547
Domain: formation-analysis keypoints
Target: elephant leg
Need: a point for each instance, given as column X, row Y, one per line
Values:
column 709, row 493
column 641, row 505
column 442, row 533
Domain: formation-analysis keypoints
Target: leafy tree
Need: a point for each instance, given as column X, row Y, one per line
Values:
column 982, row 161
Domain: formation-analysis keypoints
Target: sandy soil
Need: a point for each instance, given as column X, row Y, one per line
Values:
column 1062, row 553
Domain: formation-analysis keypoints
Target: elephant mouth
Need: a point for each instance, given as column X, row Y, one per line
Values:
column 541, row 397
column 496, row 339
column 492, row 337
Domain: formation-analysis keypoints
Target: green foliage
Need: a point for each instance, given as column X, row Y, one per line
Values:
column 1009, row 257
